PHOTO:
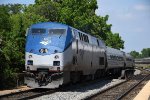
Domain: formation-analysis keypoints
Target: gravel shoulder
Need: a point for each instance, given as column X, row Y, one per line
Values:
column 80, row 92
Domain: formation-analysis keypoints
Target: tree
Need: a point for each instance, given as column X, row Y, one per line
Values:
column 12, row 43
column 15, row 8
column 134, row 54
column 114, row 41
column 45, row 8
column 145, row 52
column 4, row 19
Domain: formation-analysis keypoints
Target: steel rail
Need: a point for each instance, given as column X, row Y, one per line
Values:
column 109, row 88
column 36, row 93
column 104, row 90
column 15, row 93
column 131, row 88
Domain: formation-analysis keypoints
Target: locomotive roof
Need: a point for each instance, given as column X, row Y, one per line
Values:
column 114, row 51
column 49, row 25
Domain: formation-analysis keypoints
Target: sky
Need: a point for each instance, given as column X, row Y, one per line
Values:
column 129, row 18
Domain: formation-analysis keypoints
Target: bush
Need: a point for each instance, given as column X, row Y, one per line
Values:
column 8, row 78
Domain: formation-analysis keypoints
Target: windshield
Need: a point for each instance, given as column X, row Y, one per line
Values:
column 38, row 31
column 57, row 31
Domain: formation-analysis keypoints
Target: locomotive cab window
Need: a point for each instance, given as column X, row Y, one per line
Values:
column 57, row 31
column 38, row 31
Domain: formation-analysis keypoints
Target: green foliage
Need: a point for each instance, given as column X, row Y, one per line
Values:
column 134, row 54
column 4, row 19
column 15, row 8
column 114, row 41
column 148, row 66
column 144, row 53
column 46, row 9
column 12, row 41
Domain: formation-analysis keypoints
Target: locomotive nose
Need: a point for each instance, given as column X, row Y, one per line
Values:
column 53, row 62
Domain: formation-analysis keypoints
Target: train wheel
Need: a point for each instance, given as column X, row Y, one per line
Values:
column 129, row 73
column 126, row 74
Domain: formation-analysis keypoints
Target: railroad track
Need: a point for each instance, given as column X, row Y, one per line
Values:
column 28, row 94
column 119, row 91
column 34, row 93
column 105, row 94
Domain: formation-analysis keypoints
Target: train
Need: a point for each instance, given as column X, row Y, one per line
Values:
column 58, row 54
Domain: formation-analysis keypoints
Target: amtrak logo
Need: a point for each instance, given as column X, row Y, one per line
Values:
column 46, row 41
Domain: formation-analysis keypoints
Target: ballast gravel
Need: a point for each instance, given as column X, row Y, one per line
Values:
column 80, row 92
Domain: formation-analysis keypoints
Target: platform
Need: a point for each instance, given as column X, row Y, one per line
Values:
column 144, row 94
column 22, row 88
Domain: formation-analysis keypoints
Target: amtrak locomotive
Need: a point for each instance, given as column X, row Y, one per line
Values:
column 58, row 54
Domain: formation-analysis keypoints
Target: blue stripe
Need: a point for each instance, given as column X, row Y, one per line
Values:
column 69, row 37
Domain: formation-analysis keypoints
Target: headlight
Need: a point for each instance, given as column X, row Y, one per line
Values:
column 30, row 56
column 56, row 57
column 43, row 50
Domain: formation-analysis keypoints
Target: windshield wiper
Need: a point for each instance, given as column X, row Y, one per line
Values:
column 60, row 35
